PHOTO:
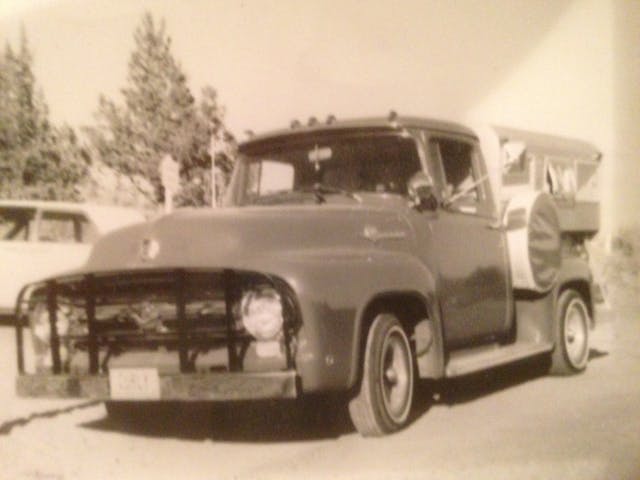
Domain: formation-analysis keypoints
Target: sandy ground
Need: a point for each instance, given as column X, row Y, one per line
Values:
column 514, row 423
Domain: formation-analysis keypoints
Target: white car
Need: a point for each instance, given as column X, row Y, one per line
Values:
column 42, row 238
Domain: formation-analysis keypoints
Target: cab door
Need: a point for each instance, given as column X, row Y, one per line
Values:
column 470, row 246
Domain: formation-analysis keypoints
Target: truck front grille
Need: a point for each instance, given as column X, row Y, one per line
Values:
column 187, row 311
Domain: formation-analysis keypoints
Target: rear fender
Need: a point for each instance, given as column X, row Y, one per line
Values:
column 535, row 311
column 576, row 274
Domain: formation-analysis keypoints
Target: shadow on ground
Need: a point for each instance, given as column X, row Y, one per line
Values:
column 9, row 425
column 473, row 386
column 315, row 419
column 595, row 353
column 470, row 387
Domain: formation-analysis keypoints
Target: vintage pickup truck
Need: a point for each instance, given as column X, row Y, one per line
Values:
column 351, row 256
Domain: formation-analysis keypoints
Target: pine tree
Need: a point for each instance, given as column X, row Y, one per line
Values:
column 159, row 116
column 37, row 160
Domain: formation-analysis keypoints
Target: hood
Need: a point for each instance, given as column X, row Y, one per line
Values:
column 242, row 238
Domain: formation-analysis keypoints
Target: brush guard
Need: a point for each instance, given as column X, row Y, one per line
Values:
column 183, row 331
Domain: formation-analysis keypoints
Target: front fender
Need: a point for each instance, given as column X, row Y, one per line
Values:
column 333, row 292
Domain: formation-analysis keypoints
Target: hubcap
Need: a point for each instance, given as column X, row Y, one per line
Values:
column 391, row 376
column 396, row 376
column 576, row 333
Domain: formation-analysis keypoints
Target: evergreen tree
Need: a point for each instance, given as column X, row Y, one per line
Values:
column 37, row 160
column 159, row 116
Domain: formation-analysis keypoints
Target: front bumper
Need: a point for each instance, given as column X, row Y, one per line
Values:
column 179, row 386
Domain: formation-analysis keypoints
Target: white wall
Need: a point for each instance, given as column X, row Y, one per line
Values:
column 565, row 86
column 625, row 202
column 583, row 79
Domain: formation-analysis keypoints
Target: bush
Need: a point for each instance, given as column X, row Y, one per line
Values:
column 622, row 267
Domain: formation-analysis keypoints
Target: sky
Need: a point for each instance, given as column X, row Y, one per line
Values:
column 271, row 61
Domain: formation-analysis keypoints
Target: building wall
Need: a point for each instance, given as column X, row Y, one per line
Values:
column 625, row 202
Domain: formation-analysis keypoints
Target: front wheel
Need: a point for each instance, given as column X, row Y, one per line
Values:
column 571, row 327
column 383, row 402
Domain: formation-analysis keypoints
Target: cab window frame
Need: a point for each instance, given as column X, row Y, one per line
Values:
column 482, row 204
column 83, row 229
column 28, row 227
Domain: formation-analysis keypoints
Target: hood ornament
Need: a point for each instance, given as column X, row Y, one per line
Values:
column 149, row 249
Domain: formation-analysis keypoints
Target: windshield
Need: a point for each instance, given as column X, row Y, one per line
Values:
column 301, row 171
column 15, row 223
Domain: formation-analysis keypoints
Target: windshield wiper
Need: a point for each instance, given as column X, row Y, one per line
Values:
column 320, row 190
column 275, row 197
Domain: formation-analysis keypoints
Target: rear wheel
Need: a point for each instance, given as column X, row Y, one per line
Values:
column 383, row 401
column 571, row 327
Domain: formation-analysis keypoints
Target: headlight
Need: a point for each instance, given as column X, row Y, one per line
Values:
column 41, row 335
column 261, row 313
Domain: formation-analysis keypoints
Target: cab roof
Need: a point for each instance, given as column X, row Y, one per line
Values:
column 391, row 123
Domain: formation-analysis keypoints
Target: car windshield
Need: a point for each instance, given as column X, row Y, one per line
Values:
column 15, row 223
column 308, row 170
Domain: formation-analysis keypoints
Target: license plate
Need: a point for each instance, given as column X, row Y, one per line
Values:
column 134, row 384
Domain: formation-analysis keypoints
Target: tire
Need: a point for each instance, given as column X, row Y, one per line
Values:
column 383, row 401
column 571, row 332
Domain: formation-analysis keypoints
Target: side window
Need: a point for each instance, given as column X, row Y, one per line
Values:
column 60, row 227
column 16, row 224
column 516, row 163
column 275, row 177
column 456, row 159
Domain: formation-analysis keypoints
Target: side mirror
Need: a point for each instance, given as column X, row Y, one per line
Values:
column 421, row 192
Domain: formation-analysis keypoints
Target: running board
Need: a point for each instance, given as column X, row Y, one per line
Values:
column 476, row 359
